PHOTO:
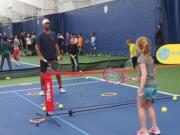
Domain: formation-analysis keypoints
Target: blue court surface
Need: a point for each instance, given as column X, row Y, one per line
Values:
column 18, row 106
column 15, row 67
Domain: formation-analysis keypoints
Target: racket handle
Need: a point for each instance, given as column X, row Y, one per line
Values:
column 134, row 79
column 75, row 62
column 45, row 60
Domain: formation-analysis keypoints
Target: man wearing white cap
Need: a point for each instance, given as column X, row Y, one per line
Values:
column 48, row 50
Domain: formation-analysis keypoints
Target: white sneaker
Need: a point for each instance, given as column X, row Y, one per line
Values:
column 18, row 64
column 142, row 132
column 41, row 93
column 155, row 131
column 62, row 90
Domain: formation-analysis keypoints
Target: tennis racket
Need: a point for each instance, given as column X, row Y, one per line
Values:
column 75, row 62
column 37, row 121
column 115, row 75
column 128, row 64
column 55, row 64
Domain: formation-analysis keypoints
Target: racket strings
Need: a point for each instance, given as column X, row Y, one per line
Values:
column 114, row 75
column 37, row 120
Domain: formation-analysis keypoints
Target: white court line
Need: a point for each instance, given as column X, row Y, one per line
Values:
column 31, row 83
column 27, row 63
column 59, row 118
column 165, row 93
column 7, row 92
column 132, row 86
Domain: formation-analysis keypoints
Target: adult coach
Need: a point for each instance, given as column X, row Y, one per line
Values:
column 48, row 50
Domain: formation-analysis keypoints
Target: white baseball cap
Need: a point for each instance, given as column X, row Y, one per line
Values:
column 45, row 21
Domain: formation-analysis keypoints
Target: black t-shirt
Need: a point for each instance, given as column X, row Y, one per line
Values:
column 47, row 42
column 73, row 49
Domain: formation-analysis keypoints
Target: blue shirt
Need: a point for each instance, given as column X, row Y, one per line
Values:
column 47, row 42
column 93, row 40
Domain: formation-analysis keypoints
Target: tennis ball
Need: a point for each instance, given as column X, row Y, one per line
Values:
column 8, row 78
column 80, row 71
column 87, row 77
column 60, row 106
column 164, row 109
column 174, row 98
column 44, row 108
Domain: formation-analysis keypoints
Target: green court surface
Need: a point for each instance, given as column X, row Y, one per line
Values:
column 66, row 59
column 168, row 79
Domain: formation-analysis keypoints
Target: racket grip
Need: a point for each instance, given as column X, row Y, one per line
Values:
column 75, row 62
column 45, row 60
column 135, row 79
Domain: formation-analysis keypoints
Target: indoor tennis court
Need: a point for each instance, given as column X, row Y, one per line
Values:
column 18, row 106
column 89, row 67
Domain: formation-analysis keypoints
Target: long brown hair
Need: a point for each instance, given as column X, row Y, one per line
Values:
column 144, row 44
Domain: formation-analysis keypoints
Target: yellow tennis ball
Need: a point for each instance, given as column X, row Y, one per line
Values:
column 44, row 108
column 60, row 106
column 8, row 78
column 174, row 98
column 80, row 71
column 87, row 77
column 164, row 109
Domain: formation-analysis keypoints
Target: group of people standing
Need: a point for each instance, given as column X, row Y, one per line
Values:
column 9, row 47
column 24, row 45
column 49, row 48
column 78, row 39
column 20, row 44
column 50, row 51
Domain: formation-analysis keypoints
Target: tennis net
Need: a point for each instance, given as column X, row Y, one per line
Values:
column 87, row 91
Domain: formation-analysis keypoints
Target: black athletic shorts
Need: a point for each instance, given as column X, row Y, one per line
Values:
column 53, row 64
column 134, row 62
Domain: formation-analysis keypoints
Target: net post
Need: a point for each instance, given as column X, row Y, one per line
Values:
column 49, row 96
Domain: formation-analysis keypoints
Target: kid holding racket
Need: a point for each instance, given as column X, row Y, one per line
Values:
column 147, row 87
column 73, row 53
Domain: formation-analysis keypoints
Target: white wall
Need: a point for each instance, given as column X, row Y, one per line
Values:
column 76, row 4
column 17, row 10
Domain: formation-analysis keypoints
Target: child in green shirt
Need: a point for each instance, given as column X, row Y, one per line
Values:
column 6, row 53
